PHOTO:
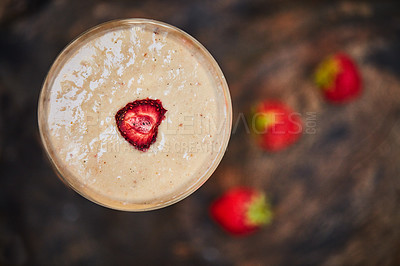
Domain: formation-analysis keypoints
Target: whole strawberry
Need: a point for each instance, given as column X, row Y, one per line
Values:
column 241, row 211
column 338, row 78
column 276, row 126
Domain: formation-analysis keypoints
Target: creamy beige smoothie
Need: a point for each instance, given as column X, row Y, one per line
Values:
column 101, row 72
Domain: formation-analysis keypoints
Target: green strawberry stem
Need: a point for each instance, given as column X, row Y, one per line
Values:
column 259, row 211
column 326, row 73
column 264, row 121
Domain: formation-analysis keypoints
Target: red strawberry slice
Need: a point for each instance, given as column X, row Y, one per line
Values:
column 241, row 211
column 138, row 122
column 338, row 78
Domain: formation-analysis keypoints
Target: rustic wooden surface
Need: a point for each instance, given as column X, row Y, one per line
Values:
column 336, row 193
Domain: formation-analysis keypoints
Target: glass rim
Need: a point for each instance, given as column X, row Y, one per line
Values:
column 97, row 197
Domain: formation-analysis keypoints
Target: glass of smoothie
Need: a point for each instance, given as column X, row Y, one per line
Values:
column 135, row 114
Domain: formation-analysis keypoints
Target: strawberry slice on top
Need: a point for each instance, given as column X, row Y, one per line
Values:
column 138, row 122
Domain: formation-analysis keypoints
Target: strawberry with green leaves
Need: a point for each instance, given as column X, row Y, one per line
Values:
column 338, row 78
column 241, row 211
column 275, row 125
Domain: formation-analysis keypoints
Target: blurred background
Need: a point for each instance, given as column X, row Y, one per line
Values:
column 335, row 193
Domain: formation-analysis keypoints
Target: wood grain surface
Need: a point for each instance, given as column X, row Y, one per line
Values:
column 335, row 193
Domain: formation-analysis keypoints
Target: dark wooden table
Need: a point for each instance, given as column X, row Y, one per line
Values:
column 336, row 193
